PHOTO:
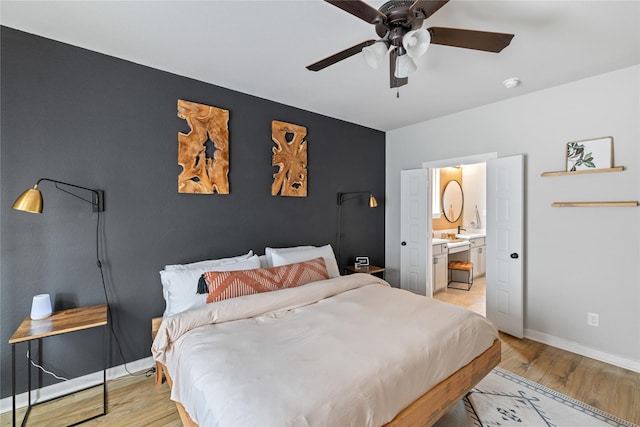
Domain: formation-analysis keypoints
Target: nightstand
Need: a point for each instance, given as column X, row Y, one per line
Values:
column 60, row 322
column 371, row 269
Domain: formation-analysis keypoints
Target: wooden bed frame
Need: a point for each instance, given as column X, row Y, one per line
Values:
column 423, row 412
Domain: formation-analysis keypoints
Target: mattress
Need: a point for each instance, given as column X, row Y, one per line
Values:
column 345, row 351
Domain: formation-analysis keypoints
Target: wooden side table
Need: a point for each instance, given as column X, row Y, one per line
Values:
column 371, row 269
column 60, row 322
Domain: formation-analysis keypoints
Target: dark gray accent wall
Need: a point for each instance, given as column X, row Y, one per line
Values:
column 89, row 119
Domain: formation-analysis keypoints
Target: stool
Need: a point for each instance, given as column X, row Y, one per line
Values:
column 461, row 266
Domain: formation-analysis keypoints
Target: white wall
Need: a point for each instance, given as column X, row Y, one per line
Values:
column 474, row 188
column 577, row 260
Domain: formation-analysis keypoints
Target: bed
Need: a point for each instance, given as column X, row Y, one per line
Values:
column 342, row 350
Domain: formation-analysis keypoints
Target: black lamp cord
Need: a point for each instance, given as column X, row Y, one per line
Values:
column 147, row 373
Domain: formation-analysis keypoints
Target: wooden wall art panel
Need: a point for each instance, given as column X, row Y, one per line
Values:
column 203, row 153
column 290, row 155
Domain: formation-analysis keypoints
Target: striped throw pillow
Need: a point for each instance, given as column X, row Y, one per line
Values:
column 220, row 285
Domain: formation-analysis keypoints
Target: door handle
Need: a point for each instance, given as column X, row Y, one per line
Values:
column 404, row 243
column 514, row 255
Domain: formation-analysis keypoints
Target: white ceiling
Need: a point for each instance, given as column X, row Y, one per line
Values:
column 262, row 47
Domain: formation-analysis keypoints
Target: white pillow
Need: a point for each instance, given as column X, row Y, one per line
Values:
column 210, row 262
column 179, row 285
column 268, row 251
column 289, row 257
column 264, row 263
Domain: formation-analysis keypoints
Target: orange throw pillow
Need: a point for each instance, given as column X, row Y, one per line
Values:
column 221, row 285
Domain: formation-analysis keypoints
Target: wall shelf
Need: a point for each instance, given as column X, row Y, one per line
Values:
column 626, row 204
column 584, row 171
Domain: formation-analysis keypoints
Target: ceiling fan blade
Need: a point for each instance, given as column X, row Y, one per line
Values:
column 360, row 9
column 428, row 7
column 470, row 39
column 324, row 63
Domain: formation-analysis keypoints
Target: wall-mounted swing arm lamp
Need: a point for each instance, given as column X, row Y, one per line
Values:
column 343, row 197
column 31, row 199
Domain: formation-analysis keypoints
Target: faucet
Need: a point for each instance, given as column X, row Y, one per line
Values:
column 460, row 229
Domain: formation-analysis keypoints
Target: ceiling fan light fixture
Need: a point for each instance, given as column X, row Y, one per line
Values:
column 404, row 66
column 403, row 34
column 374, row 54
column 416, row 42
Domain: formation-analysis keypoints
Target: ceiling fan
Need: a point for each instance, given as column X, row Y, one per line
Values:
column 401, row 28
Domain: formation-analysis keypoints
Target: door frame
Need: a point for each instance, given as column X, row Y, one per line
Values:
column 444, row 163
column 471, row 159
column 457, row 161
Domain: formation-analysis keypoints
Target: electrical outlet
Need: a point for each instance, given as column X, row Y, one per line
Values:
column 593, row 319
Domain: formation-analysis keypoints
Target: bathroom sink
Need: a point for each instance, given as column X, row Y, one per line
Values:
column 457, row 244
column 469, row 236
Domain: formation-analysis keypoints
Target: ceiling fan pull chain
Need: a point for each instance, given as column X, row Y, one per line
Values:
column 398, row 92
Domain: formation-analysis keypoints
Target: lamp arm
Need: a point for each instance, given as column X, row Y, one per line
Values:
column 97, row 200
column 342, row 196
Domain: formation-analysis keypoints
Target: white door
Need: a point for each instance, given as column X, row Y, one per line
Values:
column 415, row 219
column 504, row 244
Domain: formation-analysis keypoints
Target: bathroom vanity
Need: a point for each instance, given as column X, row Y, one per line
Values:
column 465, row 247
column 439, row 270
column 477, row 255
column 477, row 252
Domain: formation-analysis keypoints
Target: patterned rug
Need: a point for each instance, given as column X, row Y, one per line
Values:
column 505, row 399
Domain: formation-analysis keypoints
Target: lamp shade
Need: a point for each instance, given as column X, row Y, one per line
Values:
column 41, row 307
column 404, row 66
column 374, row 54
column 416, row 42
column 29, row 201
column 372, row 201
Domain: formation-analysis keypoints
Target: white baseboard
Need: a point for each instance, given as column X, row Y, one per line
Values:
column 75, row 384
column 574, row 347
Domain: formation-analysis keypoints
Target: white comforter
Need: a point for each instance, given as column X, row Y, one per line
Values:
column 349, row 351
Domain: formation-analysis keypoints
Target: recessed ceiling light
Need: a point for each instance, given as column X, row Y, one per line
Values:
column 511, row 83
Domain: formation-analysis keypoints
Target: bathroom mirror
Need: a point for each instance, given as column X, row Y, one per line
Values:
column 452, row 201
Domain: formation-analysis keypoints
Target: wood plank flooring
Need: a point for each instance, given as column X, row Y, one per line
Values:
column 137, row 401
column 132, row 401
column 606, row 387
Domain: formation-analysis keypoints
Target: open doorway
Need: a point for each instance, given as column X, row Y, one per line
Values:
column 503, row 236
column 458, row 234
column 446, row 223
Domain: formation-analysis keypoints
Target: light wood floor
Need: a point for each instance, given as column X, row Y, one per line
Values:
column 137, row 401
column 606, row 387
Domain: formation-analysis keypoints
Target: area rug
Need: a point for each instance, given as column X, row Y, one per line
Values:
column 505, row 399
